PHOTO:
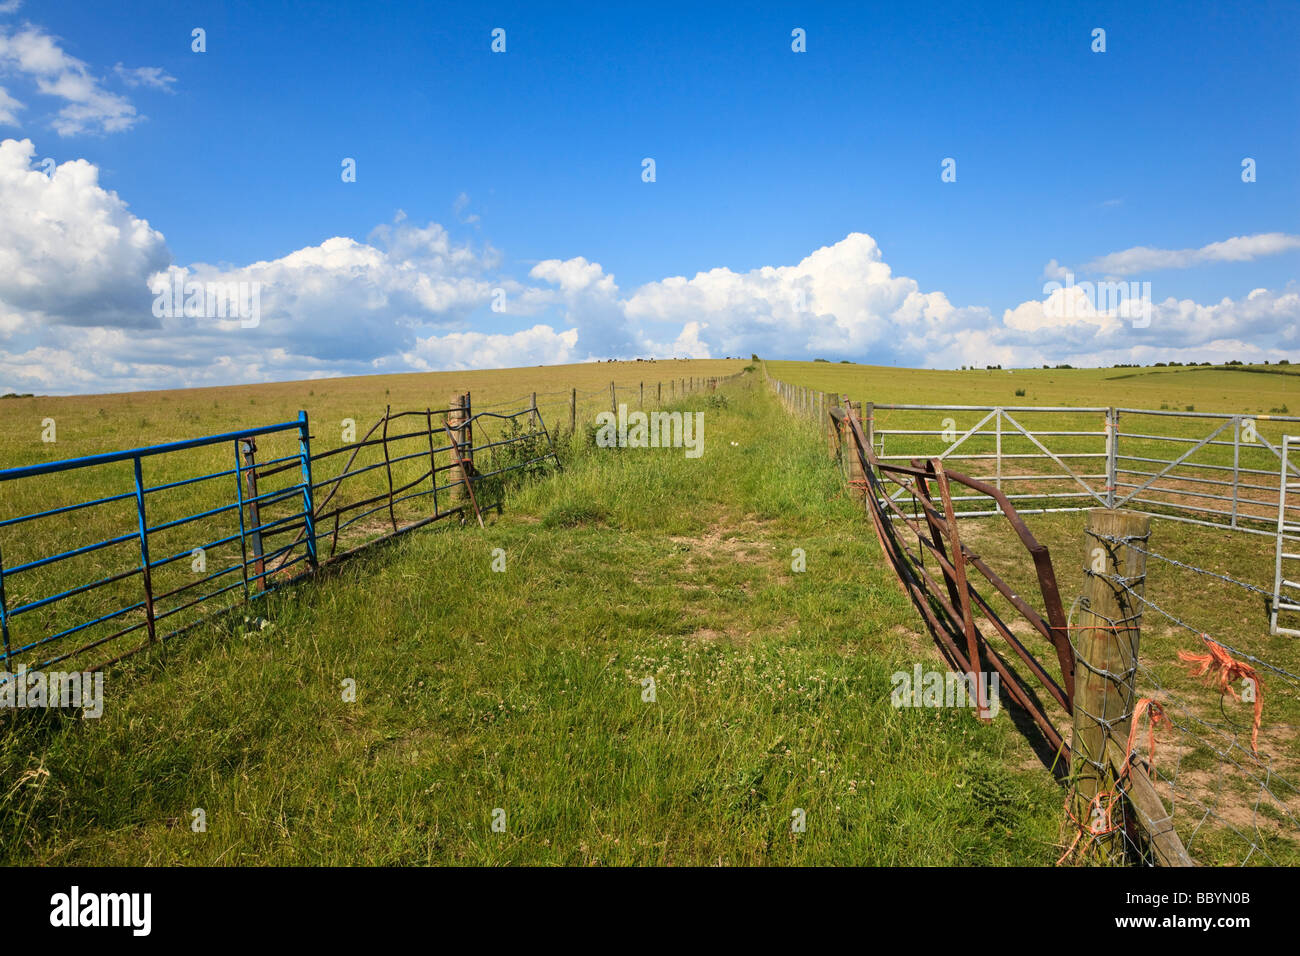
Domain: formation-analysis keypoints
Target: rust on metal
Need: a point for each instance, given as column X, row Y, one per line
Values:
column 950, row 609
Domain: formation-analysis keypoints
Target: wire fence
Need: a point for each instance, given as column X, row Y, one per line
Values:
column 1216, row 780
column 1223, row 787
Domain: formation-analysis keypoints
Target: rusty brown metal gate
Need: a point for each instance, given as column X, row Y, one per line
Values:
column 939, row 573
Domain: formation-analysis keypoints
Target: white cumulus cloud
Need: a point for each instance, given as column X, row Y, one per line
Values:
column 1237, row 249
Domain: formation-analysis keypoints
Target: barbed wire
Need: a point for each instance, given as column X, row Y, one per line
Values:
column 1127, row 541
column 1222, row 743
column 1122, row 583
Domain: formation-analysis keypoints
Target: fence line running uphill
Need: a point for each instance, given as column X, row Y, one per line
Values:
column 202, row 526
column 1122, row 804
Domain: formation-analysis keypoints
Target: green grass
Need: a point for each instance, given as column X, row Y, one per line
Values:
column 523, row 691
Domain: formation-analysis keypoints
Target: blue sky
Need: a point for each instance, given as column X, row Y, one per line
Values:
column 763, row 157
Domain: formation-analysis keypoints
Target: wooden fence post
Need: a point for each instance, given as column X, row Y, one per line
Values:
column 1106, row 649
column 457, row 420
column 832, row 431
column 613, row 400
column 857, row 479
column 573, row 411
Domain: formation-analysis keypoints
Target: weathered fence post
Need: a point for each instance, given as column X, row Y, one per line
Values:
column 532, row 419
column 832, row 430
column 613, row 400
column 659, row 393
column 1106, row 649
column 641, row 400
column 458, row 421
column 849, row 444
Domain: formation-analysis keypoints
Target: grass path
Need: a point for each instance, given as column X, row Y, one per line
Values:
column 523, row 691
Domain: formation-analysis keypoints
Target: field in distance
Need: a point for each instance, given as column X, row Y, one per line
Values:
column 1259, row 389
column 88, row 424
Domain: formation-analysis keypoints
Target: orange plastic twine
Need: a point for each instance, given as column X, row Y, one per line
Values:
column 1155, row 717
column 1222, row 669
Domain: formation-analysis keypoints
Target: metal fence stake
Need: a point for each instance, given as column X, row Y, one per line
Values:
column 254, row 512
column 998, row 450
column 388, row 467
column 433, row 458
column 308, row 493
column 144, row 549
column 4, row 613
column 243, row 533
column 1236, row 467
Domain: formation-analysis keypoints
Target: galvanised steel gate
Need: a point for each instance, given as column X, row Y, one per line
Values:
column 1207, row 468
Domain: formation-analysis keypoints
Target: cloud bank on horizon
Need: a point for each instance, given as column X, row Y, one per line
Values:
column 78, row 274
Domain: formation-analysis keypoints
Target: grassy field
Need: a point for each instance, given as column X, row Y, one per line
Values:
column 523, row 691
column 1233, row 390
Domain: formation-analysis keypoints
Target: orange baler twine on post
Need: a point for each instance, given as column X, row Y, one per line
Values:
column 1107, row 799
column 1155, row 717
column 1222, row 669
